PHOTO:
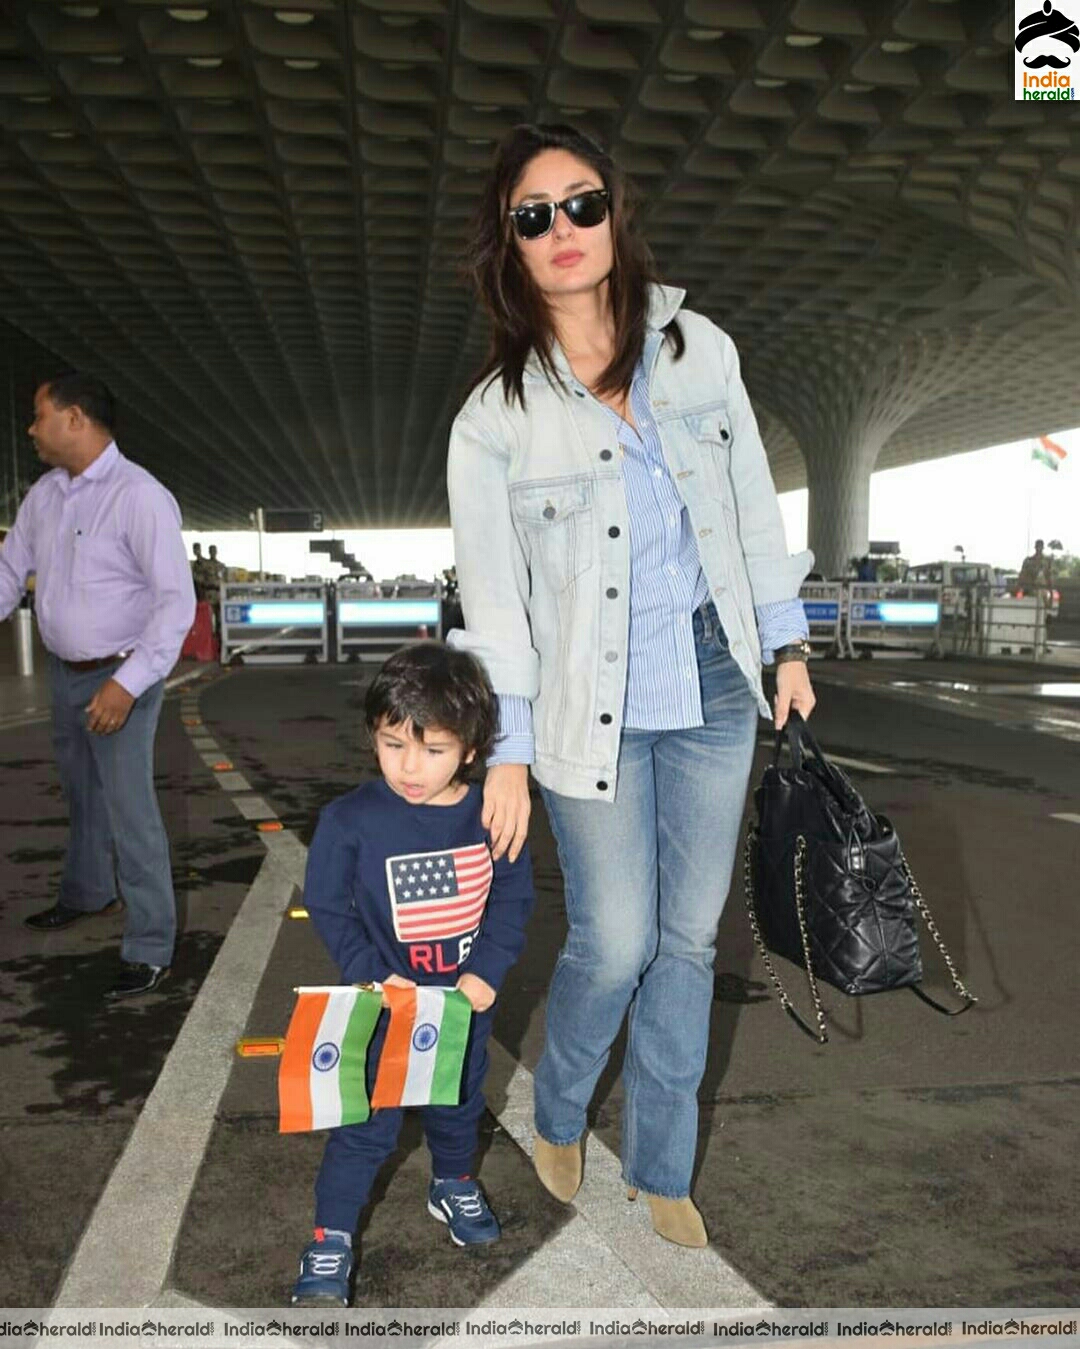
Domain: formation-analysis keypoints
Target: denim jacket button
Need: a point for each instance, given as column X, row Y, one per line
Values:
column 611, row 657
column 613, row 532
column 605, row 454
column 601, row 786
column 605, row 718
column 612, row 593
column 549, row 512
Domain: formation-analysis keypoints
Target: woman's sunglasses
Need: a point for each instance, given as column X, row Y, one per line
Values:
column 536, row 218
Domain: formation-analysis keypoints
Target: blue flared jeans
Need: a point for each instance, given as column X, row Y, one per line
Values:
column 646, row 877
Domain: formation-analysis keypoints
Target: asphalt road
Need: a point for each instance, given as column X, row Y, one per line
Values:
column 915, row 1160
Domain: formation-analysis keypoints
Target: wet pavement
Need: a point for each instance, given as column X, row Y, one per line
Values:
column 1022, row 696
column 76, row 1073
column 914, row 1160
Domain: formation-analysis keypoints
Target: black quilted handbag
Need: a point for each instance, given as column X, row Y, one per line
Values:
column 828, row 886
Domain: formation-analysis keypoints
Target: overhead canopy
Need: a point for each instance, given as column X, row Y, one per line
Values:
column 249, row 217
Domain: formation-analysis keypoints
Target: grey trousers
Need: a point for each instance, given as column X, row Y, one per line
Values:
column 117, row 834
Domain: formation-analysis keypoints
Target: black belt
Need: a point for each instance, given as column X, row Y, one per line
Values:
column 99, row 663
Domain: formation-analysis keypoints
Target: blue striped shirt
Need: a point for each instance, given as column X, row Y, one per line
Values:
column 667, row 584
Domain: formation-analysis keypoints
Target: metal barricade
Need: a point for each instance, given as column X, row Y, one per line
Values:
column 274, row 622
column 371, row 622
column 823, row 602
column 895, row 615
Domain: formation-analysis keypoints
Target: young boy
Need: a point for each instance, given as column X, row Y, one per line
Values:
column 430, row 713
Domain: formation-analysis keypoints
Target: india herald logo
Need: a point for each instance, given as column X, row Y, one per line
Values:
column 1048, row 29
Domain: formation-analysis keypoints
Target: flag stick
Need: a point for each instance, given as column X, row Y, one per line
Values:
column 334, row 988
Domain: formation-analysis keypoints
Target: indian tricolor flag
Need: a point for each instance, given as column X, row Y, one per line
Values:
column 321, row 1081
column 424, row 1051
column 1049, row 452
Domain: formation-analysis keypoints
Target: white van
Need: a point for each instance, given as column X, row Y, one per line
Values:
column 954, row 578
column 950, row 574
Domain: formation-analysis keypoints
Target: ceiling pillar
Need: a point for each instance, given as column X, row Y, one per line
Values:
column 844, row 391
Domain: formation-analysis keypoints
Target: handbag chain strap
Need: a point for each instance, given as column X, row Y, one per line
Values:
column 822, row 1035
column 969, row 998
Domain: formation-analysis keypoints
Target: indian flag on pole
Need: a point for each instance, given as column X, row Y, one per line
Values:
column 321, row 1081
column 1049, row 452
column 424, row 1051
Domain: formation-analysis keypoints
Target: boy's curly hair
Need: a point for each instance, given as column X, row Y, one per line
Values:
column 431, row 685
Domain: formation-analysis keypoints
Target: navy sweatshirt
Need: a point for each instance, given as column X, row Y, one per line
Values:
column 394, row 888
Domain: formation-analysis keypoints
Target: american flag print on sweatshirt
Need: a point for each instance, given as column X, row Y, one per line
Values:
column 438, row 894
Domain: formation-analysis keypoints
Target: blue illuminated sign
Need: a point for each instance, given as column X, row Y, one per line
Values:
column 821, row 611
column 909, row 613
column 275, row 614
column 388, row 613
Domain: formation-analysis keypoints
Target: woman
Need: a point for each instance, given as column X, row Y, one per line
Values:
column 615, row 530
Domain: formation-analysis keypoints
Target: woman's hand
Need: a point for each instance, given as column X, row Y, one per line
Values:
column 506, row 808
column 480, row 994
column 793, row 692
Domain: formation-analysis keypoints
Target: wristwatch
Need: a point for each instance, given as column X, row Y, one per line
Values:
column 799, row 650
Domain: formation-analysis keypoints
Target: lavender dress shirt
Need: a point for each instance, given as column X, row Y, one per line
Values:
column 112, row 570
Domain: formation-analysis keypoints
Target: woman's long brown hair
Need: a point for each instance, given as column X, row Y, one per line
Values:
column 521, row 320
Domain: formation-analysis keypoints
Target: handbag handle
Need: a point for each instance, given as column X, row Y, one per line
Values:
column 790, row 732
column 799, row 740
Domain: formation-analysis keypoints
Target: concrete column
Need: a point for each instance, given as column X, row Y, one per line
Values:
column 844, row 390
column 838, row 526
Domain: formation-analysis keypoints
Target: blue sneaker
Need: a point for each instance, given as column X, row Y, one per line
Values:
column 461, row 1205
column 325, row 1268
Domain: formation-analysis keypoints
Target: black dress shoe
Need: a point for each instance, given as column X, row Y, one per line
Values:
column 60, row 916
column 135, row 979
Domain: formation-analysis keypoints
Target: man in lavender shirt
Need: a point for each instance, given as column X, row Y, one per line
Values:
column 114, row 601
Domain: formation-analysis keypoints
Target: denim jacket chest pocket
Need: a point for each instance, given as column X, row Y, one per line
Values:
column 555, row 520
column 709, row 431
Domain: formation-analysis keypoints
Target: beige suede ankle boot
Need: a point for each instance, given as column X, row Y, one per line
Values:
column 676, row 1220
column 559, row 1167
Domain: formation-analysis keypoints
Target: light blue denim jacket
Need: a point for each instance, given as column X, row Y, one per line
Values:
column 540, row 534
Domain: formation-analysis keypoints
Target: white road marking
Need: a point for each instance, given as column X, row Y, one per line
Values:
column 13, row 723
column 165, row 1149
column 254, row 808
column 1069, row 819
column 606, row 1255
column 860, row 764
column 184, row 678
column 672, row 1276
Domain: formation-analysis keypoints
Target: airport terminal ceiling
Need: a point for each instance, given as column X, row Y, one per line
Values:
column 249, row 217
